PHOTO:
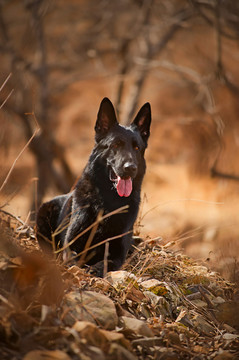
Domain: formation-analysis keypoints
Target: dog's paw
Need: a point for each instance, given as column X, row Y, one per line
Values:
column 99, row 268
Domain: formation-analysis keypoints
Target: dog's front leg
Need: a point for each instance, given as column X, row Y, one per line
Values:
column 114, row 260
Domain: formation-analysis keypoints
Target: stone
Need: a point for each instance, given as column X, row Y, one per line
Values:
column 117, row 352
column 116, row 337
column 230, row 337
column 218, row 300
column 116, row 278
column 135, row 326
column 148, row 342
column 90, row 306
column 92, row 352
column 159, row 303
column 147, row 284
column 203, row 326
column 199, row 303
column 183, row 318
column 91, row 334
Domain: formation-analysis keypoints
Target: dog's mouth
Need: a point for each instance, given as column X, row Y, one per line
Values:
column 122, row 185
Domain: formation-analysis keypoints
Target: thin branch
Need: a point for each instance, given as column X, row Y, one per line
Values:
column 117, row 211
column 13, row 216
column 4, row 102
column 138, row 27
column 152, row 51
column 216, row 173
column 91, row 237
column 5, row 81
column 98, row 244
column 19, row 155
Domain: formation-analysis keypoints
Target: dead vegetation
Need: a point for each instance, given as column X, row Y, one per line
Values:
column 162, row 305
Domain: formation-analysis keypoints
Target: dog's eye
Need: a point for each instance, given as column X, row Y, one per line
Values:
column 135, row 146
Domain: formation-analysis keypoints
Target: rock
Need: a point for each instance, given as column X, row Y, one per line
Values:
column 135, row 326
column 144, row 310
column 194, row 296
column 148, row 342
column 46, row 355
column 160, row 288
column 203, row 326
column 92, row 352
column 184, row 319
column 116, row 337
column 218, row 300
column 164, row 353
column 147, row 284
column 173, row 338
column 91, row 334
column 123, row 312
column 229, row 329
column 101, row 284
column 119, row 277
column 134, row 294
column 154, row 299
column 199, row 303
column 230, row 337
column 90, row 306
column 117, row 352
column 159, row 303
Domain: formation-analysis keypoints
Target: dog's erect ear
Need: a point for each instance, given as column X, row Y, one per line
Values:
column 143, row 121
column 106, row 118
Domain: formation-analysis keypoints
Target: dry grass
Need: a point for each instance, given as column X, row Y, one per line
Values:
column 29, row 281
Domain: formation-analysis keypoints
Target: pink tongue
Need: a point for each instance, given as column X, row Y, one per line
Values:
column 124, row 186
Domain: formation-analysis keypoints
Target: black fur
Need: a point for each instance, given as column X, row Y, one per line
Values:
column 117, row 157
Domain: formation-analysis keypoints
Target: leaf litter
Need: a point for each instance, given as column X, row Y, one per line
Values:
column 161, row 305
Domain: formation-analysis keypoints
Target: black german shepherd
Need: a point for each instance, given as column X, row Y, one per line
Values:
column 111, row 179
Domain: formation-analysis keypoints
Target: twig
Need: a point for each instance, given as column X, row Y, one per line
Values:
column 117, row 211
column 4, row 102
column 6, row 301
column 152, row 51
column 96, row 245
column 91, row 237
column 203, row 293
column 216, row 173
column 5, row 81
column 106, row 254
column 19, row 155
column 139, row 27
column 13, row 216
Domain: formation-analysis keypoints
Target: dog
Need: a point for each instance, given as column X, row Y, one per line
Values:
column 110, row 181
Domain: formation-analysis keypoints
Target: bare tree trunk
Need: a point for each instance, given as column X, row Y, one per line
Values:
column 43, row 146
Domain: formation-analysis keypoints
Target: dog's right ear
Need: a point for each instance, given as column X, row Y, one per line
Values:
column 106, row 118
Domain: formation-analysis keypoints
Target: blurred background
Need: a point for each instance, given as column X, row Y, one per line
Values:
column 60, row 58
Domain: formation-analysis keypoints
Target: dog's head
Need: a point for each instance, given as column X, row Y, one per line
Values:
column 123, row 147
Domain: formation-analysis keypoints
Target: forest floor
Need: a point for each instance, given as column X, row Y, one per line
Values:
column 161, row 305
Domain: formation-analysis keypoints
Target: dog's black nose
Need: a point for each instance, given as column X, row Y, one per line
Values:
column 130, row 168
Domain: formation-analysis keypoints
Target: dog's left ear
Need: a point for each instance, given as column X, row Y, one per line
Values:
column 106, row 118
column 143, row 121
